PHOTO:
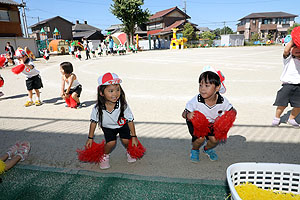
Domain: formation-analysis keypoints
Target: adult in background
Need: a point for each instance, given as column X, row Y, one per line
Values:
column 111, row 45
column 10, row 52
column 86, row 48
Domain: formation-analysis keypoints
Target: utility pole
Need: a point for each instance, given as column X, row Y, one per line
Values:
column 224, row 28
column 23, row 4
column 184, row 7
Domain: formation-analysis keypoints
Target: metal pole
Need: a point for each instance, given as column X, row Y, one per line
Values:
column 24, row 19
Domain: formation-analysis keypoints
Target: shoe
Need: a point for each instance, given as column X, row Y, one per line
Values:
column 12, row 151
column 130, row 159
column 104, row 164
column 79, row 105
column 23, row 150
column 293, row 123
column 1, row 94
column 211, row 153
column 28, row 103
column 276, row 121
column 38, row 103
column 194, row 155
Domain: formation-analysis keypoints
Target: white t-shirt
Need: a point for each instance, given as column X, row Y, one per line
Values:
column 27, row 71
column 110, row 119
column 291, row 70
column 211, row 112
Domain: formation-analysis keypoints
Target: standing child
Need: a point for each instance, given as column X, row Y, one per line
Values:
column 73, row 88
column 290, row 91
column 205, row 114
column 1, row 84
column 78, row 53
column 33, row 78
column 113, row 115
column 46, row 55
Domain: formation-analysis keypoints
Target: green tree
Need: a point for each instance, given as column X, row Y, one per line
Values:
column 291, row 28
column 131, row 14
column 189, row 32
column 226, row 30
column 207, row 35
column 255, row 37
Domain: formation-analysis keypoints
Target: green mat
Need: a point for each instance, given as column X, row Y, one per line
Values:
column 48, row 183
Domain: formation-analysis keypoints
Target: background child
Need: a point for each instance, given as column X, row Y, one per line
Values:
column 78, row 53
column 33, row 78
column 290, row 91
column 212, row 105
column 16, row 153
column 113, row 115
column 46, row 55
column 73, row 88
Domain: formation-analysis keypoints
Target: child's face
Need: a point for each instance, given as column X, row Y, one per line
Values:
column 62, row 71
column 208, row 90
column 112, row 93
column 296, row 52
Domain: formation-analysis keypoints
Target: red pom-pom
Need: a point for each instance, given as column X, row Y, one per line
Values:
column 1, row 81
column 296, row 36
column 18, row 69
column 94, row 154
column 71, row 102
column 136, row 152
column 68, row 102
column 2, row 61
column 223, row 124
column 200, row 124
column 44, row 57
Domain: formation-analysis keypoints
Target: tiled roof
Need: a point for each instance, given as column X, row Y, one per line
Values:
column 11, row 2
column 47, row 20
column 167, row 11
column 174, row 25
column 268, row 15
column 84, row 27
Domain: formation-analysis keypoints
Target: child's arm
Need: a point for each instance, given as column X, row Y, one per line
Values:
column 288, row 48
column 92, row 129
column 187, row 115
column 62, row 86
column 132, row 133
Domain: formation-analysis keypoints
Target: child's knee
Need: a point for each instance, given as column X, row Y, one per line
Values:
column 112, row 143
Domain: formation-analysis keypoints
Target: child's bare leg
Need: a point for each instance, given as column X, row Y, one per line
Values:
column 30, row 95
column 295, row 112
column 279, row 111
column 4, row 157
column 108, row 147
column 37, row 92
column 75, row 97
column 9, row 164
column 197, row 143
column 212, row 142
column 125, row 142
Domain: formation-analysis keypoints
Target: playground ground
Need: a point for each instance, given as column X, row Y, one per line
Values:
column 157, row 85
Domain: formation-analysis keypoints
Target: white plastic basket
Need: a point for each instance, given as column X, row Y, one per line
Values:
column 275, row 176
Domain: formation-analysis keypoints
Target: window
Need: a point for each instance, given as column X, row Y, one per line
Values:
column 4, row 16
column 267, row 21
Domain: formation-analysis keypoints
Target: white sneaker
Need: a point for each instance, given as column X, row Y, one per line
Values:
column 293, row 123
column 130, row 159
column 104, row 164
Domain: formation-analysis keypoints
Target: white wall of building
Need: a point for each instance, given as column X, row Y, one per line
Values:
column 19, row 42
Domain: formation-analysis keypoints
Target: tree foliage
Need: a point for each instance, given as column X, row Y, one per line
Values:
column 255, row 37
column 130, row 13
column 189, row 32
column 223, row 31
column 292, row 27
column 207, row 35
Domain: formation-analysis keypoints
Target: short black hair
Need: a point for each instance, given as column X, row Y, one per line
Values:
column 210, row 77
column 67, row 67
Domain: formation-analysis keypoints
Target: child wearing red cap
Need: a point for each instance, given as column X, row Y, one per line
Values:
column 209, row 115
column 290, row 91
column 113, row 115
column 33, row 78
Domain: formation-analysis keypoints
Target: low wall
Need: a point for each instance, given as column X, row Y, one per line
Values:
column 19, row 42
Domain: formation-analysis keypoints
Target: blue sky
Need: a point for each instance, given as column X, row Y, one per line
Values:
column 209, row 13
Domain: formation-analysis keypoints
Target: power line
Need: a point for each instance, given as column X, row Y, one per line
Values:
column 232, row 3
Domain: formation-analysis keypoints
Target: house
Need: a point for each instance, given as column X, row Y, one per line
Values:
column 162, row 22
column 118, row 28
column 49, row 25
column 10, row 22
column 86, row 31
column 274, row 24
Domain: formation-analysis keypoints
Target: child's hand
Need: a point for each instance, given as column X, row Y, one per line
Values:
column 134, row 141
column 89, row 143
column 190, row 115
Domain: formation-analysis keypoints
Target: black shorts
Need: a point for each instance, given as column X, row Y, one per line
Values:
column 191, row 130
column 79, row 56
column 111, row 134
column 289, row 93
column 34, row 82
column 72, row 52
column 78, row 90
